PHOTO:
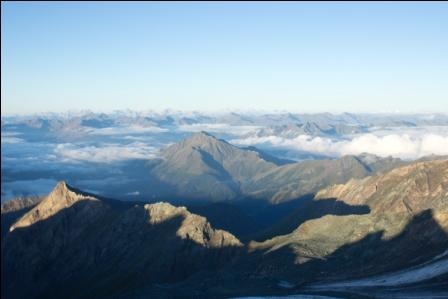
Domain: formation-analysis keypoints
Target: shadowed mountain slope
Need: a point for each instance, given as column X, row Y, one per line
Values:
column 205, row 167
column 367, row 226
column 407, row 224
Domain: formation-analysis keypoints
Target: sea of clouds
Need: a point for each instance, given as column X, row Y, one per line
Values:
column 105, row 153
column 33, row 160
column 400, row 143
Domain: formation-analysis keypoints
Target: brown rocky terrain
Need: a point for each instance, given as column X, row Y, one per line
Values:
column 366, row 226
column 407, row 224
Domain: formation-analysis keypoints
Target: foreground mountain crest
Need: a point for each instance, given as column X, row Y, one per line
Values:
column 77, row 238
column 62, row 196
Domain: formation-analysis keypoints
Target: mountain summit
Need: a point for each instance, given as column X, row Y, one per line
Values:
column 63, row 196
column 202, row 138
column 203, row 166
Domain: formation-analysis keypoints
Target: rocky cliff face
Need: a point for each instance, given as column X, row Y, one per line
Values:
column 195, row 228
column 409, row 189
column 72, row 239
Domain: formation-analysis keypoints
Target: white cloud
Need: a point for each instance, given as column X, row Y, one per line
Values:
column 126, row 130
column 6, row 134
column 218, row 128
column 396, row 145
column 434, row 144
column 11, row 140
column 106, row 153
column 137, row 138
column 390, row 145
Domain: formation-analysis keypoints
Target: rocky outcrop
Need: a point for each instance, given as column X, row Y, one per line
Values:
column 194, row 227
column 62, row 197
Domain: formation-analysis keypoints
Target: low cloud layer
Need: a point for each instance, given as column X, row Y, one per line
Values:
column 11, row 140
column 397, row 145
column 106, row 153
column 126, row 130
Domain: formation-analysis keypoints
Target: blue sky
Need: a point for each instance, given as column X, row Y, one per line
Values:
column 302, row 57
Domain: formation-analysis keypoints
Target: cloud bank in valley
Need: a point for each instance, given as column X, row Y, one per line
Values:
column 106, row 153
column 11, row 140
column 126, row 130
column 404, row 146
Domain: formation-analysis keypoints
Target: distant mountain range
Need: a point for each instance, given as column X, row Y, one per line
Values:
column 308, row 128
column 178, row 118
column 395, row 219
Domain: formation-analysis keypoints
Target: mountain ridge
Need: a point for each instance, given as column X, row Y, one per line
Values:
column 365, row 226
column 76, row 238
column 203, row 166
column 408, row 208
column 52, row 204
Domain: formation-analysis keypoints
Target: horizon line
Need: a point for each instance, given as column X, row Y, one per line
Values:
column 70, row 112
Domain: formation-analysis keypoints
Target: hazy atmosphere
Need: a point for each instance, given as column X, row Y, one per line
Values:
column 224, row 150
